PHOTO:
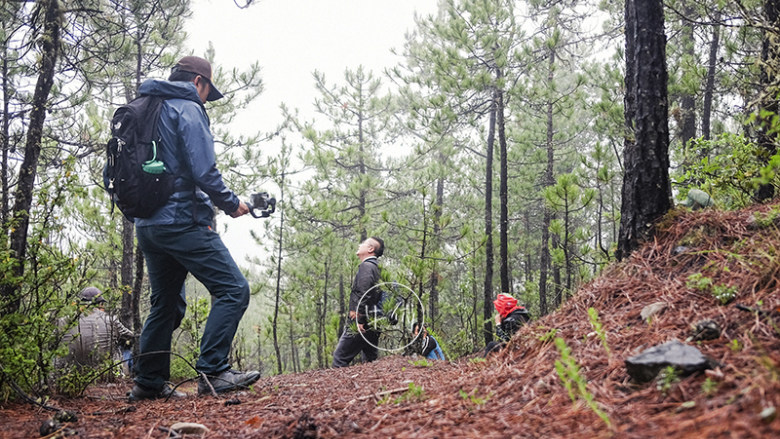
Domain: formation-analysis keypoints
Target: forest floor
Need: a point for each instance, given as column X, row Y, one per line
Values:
column 518, row 392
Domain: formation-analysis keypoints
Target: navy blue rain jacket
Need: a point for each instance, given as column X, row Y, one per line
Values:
column 188, row 152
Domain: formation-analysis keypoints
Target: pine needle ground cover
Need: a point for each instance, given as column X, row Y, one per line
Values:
column 561, row 376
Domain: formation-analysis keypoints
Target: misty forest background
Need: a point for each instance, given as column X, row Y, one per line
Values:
column 518, row 146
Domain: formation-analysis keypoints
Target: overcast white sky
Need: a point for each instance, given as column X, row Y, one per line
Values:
column 290, row 39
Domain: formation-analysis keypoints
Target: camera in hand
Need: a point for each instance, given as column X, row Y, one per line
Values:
column 263, row 203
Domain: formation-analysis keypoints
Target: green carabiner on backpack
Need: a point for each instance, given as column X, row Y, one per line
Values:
column 153, row 166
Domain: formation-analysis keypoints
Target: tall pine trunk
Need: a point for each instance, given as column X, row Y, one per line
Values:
column 322, row 319
column 279, row 284
column 556, row 271
column 5, row 140
column 646, row 188
column 129, row 305
column 126, row 273
column 528, row 271
column 296, row 367
column 49, row 42
column 770, row 83
column 547, row 181
column 709, row 89
column 688, row 98
column 503, row 192
column 487, row 306
column 135, row 298
column 438, row 206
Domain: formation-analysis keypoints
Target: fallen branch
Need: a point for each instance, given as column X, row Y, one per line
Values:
column 380, row 395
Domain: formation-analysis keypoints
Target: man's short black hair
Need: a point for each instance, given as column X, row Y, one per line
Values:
column 182, row 76
column 379, row 251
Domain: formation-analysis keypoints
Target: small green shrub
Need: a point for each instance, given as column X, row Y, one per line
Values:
column 722, row 293
column 575, row 384
column 549, row 335
column 384, row 400
column 414, row 394
column 181, row 369
column 730, row 168
column 667, row 378
column 421, row 363
column 472, row 396
column 709, row 387
column 767, row 219
column 593, row 315
column 71, row 381
column 698, row 281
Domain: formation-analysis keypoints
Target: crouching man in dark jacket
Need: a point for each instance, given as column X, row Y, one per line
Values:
column 509, row 319
column 428, row 346
column 363, row 300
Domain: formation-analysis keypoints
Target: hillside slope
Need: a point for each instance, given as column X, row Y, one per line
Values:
column 518, row 392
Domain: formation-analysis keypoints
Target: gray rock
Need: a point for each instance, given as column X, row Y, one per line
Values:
column 48, row 427
column 189, row 428
column 687, row 359
column 652, row 309
column 706, row 330
column 697, row 199
column 66, row 416
column 768, row 414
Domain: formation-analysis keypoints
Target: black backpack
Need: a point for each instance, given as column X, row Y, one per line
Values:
column 515, row 320
column 135, row 180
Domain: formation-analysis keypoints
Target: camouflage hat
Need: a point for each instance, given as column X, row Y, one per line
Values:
column 92, row 295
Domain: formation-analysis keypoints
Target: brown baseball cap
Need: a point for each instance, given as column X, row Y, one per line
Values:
column 199, row 66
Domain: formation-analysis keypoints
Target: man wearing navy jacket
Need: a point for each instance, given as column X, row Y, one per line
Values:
column 178, row 239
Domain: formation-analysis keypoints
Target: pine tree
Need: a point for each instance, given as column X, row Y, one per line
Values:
column 646, row 187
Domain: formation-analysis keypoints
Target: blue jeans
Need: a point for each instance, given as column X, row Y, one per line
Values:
column 172, row 251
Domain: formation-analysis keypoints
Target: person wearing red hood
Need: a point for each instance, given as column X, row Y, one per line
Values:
column 509, row 319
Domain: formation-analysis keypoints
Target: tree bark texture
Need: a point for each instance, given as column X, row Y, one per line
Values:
column 130, row 304
column 5, row 142
column 547, row 181
column 279, row 286
column 529, row 277
column 362, row 170
column 503, row 193
column 438, row 207
column 646, row 188
column 135, row 298
column 487, row 306
column 322, row 320
column 709, row 89
column 126, row 271
column 49, row 42
column 770, row 84
column 342, row 305
column 556, row 271
column 688, row 98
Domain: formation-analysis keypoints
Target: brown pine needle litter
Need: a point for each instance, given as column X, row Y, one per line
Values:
column 700, row 266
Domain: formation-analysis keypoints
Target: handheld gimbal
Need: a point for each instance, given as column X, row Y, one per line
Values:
column 263, row 203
